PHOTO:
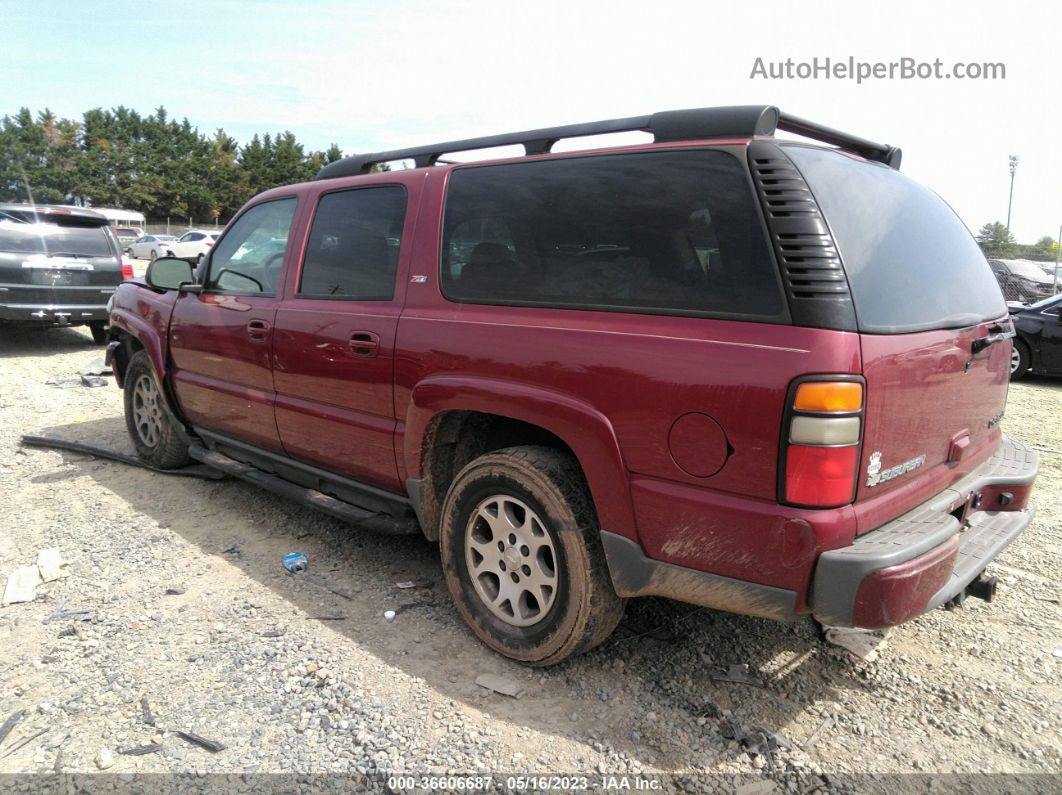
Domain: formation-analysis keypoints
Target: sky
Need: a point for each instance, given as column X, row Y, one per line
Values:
column 379, row 75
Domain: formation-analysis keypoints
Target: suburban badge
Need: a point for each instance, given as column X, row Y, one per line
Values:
column 876, row 475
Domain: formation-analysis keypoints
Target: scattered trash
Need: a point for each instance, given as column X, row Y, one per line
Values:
column 175, row 590
column 146, row 716
column 10, row 723
column 294, row 562
column 21, row 586
column 500, row 684
column 408, row 584
column 193, row 471
column 64, row 383
column 862, row 644
column 1058, row 651
column 24, row 742
column 104, row 759
column 50, row 564
column 92, row 381
column 814, row 738
column 390, row 615
column 338, row 617
column 202, row 742
column 68, row 631
column 141, row 750
column 95, row 367
column 233, row 550
column 738, row 674
column 322, row 583
column 80, row 614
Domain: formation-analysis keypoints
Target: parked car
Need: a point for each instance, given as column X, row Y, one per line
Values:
column 149, row 246
column 1038, row 347
column 1022, row 279
column 193, row 245
column 694, row 368
column 58, row 266
column 128, row 234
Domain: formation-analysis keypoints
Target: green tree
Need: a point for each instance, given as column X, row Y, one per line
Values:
column 995, row 240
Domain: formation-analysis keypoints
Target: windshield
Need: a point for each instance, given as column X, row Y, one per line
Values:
column 25, row 236
column 911, row 263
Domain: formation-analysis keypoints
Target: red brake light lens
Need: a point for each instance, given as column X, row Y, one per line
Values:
column 820, row 476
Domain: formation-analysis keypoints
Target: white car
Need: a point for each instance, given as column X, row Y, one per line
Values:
column 149, row 246
column 193, row 245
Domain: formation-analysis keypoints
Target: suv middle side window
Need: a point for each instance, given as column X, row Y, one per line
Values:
column 353, row 248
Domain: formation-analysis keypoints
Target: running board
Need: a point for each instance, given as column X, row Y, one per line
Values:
column 368, row 520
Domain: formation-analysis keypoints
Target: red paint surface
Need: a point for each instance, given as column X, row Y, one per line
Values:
column 610, row 385
column 893, row 595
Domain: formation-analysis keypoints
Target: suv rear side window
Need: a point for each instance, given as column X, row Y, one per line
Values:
column 250, row 256
column 911, row 263
column 662, row 232
column 352, row 252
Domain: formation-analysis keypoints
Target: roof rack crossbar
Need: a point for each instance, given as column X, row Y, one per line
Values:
column 675, row 125
column 882, row 153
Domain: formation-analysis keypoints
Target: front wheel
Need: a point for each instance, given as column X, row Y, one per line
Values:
column 1019, row 360
column 154, row 434
column 522, row 555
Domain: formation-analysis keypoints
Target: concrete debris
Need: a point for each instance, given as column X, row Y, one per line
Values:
column 50, row 564
column 21, row 586
column 500, row 684
column 862, row 644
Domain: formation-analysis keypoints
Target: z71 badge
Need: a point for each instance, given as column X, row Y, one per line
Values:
column 876, row 475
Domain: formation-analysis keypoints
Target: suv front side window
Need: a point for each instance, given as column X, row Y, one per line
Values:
column 250, row 256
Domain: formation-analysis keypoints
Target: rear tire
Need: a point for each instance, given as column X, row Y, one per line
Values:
column 545, row 594
column 154, row 434
column 99, row 331
column 1019, row 360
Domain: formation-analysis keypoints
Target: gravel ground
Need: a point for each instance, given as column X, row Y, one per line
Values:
column 192, row 611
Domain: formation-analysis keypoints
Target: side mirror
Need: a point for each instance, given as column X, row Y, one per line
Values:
column 169, row 273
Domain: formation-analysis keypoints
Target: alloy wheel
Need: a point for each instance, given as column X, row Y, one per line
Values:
column 511, row 560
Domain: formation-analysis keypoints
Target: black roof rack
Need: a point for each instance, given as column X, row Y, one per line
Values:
column 670, row 125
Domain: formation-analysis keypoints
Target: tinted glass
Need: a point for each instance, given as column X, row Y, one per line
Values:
column 674, row 232
column 352, row 252
column 251, row 255
column 911, row 263
column 21, row 234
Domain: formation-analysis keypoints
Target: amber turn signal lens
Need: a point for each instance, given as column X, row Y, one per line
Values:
column 829, row 396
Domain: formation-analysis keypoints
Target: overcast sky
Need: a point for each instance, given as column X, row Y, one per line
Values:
column 377, row 75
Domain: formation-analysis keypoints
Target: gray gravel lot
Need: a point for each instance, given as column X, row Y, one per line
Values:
column 290, row 676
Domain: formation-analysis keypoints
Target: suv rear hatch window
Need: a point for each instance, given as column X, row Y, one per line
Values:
column 923, row 293
column 56, row 250
column 911, row 263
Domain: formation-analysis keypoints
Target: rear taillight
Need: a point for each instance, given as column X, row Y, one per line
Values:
column 127, row 268
column 823, row 427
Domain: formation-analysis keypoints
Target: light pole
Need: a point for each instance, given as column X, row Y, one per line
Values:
column 1013, row 171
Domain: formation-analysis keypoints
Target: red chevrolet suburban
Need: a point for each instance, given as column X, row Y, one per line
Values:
column 754, row 374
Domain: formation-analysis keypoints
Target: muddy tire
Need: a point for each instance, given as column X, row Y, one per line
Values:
column 522, row 555
column 154, row 434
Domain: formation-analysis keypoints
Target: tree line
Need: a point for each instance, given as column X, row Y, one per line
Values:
column 155, row 164
column 997, row 241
